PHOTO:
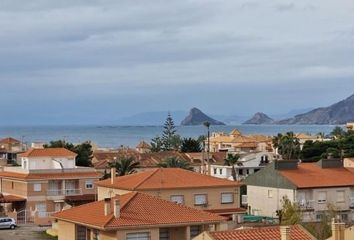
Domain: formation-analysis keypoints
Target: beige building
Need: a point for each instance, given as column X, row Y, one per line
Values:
column 181, row 186
column 10, row 147
column 236, row 142
column 134, row 216
column 47, row 182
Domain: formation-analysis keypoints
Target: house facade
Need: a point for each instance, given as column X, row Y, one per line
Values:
column 47, row 182
column 133, row 216
column 10, row 147
column 247, row 164
column 316, row 188
column 181, row 186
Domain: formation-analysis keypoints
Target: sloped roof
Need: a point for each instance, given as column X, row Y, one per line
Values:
column 137, row 209
column 143, row 144
column 166, row 178
column 9, row 140
column 49, row 175
column 310, row 175
column 48, row 152
column 262, row 233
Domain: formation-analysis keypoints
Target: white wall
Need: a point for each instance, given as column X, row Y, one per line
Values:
column 263, row 204
column 47, row 163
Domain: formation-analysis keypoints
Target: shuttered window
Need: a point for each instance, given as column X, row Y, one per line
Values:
column 138, row 236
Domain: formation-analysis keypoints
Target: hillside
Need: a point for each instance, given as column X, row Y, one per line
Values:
column 338, row 113
column 197, row 117
column 259, row 118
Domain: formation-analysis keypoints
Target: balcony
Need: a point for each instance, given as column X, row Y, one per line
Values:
column 64, row 192
column 305, row 205
column 351, row 202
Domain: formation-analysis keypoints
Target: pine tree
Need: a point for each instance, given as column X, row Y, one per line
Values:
column 168, row 134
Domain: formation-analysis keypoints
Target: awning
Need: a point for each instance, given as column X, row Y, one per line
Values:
column 11, row 199
column 82, row 198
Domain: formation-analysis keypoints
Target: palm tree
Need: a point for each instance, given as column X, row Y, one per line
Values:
column 175, row 162
column 207, row 125
column 289, row 146
column 231, row 160
column 124, row 166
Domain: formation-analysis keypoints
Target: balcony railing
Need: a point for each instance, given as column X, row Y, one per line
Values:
column 351, row 202
column 64, row 192
column 306, row 204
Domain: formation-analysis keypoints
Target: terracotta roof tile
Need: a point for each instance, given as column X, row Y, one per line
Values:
column 48, row 152
column 263, row 233
column 9, row 140
column 167, row 178
column 137, row 209
column 57, row 175
column 310, row 175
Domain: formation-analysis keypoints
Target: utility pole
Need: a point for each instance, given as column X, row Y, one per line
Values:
column 207, row 125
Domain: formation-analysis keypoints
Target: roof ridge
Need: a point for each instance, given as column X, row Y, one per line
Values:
column 146, row 178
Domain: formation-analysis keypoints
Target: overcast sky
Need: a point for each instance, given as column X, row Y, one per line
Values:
column 91, row 61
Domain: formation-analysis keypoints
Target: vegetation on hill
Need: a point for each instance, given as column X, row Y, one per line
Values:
column 83, row 151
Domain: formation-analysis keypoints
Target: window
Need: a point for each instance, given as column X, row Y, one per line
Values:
column 227, row 197
column 12, row 185
column 215, row 171
column 322, row 197
column 195, row 231
column 138, row 236
column 240, row 172
column 270, row 193
column 81, row 232
column 37, row 187
column 220, row 170
column 89, row 184
column 177, row 199
column 164, row 234
column 200, row 199
column 95, row 234
column 340, row 196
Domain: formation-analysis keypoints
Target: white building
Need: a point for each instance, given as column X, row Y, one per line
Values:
column 246, row 165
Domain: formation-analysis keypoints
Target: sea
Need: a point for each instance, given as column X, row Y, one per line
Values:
column 116, row 136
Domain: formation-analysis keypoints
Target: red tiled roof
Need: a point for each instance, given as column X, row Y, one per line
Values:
column 48, row 152
column 262, row 233
column 310, row 175
column 57, row 175
column 9, row 140
column 10, row 198
column 166, row 178
column 137, row 209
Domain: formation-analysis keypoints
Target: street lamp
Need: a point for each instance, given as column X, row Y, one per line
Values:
column 207, row 125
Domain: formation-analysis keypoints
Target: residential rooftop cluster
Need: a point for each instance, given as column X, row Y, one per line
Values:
column 238, row 187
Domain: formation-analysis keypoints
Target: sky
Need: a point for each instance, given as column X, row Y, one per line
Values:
column 93, row 61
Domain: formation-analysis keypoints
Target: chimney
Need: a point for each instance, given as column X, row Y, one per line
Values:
column 107, row 206
column 285, row 232
column 113, row 175
column 116, row 208
column 338, row 229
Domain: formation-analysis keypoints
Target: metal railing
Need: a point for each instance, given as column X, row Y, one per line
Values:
column 64, row 192
column 305, row 204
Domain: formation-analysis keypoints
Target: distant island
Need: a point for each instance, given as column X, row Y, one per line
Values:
column 197, row 117
column 259, row 118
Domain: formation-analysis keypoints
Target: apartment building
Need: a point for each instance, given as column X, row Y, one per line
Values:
column 295, row 232
column 314, row 187
column 235, row 141
column 181, row 186
column 134, row 216
column 47, row 181
column 10, row 147
column 247, row 164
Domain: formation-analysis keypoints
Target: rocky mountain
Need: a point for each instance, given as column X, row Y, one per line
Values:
column 197, row 117
column 338, row 113
column 259, row 118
